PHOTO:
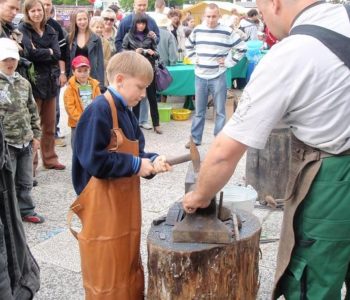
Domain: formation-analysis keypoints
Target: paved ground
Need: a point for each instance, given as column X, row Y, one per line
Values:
column 56, row 250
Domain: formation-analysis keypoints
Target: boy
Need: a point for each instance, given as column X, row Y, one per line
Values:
column 21, row 127
column 80, row 91
column 107, row 166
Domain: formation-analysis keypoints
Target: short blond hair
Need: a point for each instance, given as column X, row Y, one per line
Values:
column 129, row 63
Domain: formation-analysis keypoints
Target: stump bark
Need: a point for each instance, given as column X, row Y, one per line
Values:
column 267, row 169
column 179, row 271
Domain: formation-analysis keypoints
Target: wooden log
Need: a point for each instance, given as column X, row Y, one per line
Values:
column 267, row 170
column 179, row 271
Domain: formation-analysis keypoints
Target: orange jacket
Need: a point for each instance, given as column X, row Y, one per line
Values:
column 72, row 102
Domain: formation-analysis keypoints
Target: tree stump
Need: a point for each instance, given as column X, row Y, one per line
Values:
column 191, row 271
column 267, row 170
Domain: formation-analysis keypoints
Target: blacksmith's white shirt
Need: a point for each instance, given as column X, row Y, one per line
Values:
column 303, row 83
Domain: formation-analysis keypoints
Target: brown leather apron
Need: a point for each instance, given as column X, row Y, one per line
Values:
column 305, row 164
column 109, row 242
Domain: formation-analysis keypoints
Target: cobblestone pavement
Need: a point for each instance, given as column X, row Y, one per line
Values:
column 57, row 251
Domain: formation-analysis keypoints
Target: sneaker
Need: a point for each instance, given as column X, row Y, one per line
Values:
column 35, row 182
column 187, row 146
column 59, row 135
column 146, row 126
column 58, row 167
column 59, row 142
column 35, row 218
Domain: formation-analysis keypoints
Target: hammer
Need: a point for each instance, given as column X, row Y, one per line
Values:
column 192, row 156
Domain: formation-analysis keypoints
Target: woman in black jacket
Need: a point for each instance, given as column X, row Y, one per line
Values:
column 41, row 47
column 138, row 39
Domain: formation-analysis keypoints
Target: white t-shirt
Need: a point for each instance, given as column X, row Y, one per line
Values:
column 303, row 83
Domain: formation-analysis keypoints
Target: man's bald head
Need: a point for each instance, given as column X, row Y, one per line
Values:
column 280, row 14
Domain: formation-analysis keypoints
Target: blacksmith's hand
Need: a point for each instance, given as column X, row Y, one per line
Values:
column 146, row 168
column 160, row 164
column 192, row 201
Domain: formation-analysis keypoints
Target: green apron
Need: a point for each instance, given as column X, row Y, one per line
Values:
column 320, row 262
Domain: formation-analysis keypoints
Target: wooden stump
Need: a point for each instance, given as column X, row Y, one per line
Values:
column 267, row 170
column 189, row 271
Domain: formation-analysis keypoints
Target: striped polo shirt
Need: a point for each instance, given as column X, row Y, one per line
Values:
column 205, row 46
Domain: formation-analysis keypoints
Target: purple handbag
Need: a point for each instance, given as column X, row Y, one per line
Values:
column 163, row 77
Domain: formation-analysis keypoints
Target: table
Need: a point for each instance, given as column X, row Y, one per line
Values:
column 183, row 78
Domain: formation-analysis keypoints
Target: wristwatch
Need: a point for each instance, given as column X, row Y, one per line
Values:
column 63, row 72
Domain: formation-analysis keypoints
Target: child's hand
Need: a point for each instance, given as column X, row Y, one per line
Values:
column 147, row 168
column 35, row 145
column 160, row 164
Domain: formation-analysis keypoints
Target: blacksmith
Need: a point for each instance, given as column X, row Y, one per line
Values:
column 302, row 82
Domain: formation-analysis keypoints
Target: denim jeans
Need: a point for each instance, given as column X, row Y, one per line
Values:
column 22, row 168
column 144, row 107
column 218, row 89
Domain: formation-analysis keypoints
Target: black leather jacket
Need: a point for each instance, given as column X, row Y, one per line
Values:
column 132, row 42
column 19, row 272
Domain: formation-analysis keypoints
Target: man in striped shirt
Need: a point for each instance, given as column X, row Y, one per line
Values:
column 208, row 46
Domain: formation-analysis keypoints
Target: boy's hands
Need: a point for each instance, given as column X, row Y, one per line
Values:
column 160, row 164
column 146, row 168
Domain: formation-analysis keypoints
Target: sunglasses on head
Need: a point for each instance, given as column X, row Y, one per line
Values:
column 109, row 19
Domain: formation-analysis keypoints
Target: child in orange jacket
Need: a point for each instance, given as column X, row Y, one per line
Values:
column 80, row 91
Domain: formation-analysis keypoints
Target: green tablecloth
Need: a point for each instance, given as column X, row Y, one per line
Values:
column 183, row 78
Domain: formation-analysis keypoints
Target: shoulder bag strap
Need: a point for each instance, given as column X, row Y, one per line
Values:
column 336, row 42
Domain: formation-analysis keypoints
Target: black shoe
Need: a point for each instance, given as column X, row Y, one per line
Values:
column 35, row 182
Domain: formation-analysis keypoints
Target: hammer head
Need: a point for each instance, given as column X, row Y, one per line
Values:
column 193, row 156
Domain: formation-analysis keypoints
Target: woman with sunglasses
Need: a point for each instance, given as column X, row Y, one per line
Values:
column 109, row 30
column 82, row 41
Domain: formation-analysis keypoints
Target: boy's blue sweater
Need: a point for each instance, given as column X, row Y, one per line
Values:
column 92, row 136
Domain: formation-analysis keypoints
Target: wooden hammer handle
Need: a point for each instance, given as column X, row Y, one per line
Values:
column 179, row 159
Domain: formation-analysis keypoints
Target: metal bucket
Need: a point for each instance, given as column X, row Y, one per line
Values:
column 240, row 197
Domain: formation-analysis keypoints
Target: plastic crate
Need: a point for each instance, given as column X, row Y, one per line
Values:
column 164, row 111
